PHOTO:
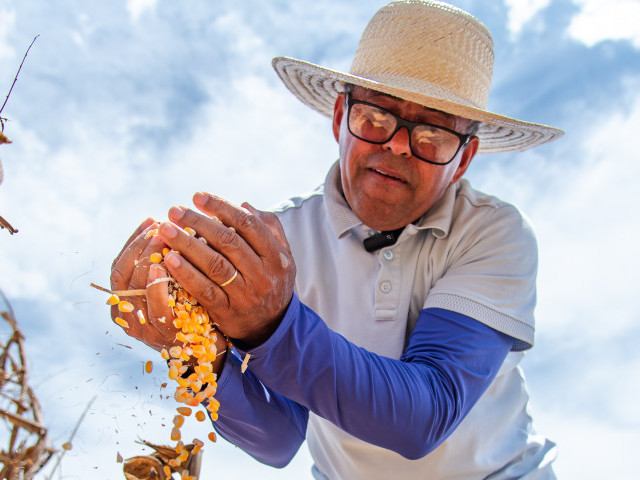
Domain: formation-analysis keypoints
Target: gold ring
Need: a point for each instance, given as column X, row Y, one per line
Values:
column 233, row 277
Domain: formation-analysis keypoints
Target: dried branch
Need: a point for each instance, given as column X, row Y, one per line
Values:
column 2, row 120
column 28, row 448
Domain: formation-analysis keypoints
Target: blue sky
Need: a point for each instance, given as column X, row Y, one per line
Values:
column 125, row 108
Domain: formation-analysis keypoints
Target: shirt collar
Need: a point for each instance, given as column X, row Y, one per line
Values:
column 342, row 218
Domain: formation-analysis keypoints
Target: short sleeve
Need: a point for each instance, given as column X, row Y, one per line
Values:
column 490, row 274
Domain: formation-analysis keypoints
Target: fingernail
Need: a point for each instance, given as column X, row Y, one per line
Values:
column 172, row 259
column 176, row 213
column 169, row 230
column 200, row 199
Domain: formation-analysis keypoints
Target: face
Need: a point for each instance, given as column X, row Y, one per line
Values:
column 385, row 185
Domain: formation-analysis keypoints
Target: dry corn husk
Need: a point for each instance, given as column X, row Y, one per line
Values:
column 28, row 448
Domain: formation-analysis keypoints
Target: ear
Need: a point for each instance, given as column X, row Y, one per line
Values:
column 338, row 113
column 468, row 153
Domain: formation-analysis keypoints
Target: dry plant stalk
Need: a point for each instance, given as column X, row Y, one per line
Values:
column 3, row 139
column 28, row 448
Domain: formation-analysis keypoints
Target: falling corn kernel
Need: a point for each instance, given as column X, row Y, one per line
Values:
column 178, row 421
column 141, row 318
column 67, row 446
column 148, row 367
column 125, row 306
column 173, row 373
column 200, row 416
column 212, row 436
column 155, row 257
column 165, row 250
column 175, row 434
column 164, row 354
column 185, row 411
column 190, row 231
column 123, row 323
column 175, row 351
column 113, row 300
column 167, row 471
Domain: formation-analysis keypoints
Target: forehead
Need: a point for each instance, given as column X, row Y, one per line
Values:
column 409, row 110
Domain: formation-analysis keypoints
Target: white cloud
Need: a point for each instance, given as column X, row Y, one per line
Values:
column 7, row 23
column 137, row 7
column 522, row 12
column 600, row 20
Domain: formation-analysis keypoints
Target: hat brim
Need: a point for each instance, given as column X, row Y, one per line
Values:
column 318, row 88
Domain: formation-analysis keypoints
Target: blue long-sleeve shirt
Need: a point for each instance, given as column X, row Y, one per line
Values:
column 408, row 405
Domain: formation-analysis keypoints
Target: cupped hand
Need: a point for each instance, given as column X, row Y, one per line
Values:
column 151, row 320
column 240, row 269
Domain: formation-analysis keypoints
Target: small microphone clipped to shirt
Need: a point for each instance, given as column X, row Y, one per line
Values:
column 381, row 240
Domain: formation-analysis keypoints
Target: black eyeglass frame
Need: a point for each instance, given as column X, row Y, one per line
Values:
column 403, row 122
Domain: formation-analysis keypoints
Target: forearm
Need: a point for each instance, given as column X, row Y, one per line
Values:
column 266, row 425
column 409, row 405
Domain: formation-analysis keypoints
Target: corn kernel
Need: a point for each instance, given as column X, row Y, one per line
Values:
column 141, row 318
column 178, row 420
column 185, row 411
column 150, row 234
column 173, row 373
column 67, row 446
column 167, row 471
column 212, row 436
column 165, row 250
column 122, row 322
column 175, row 434
column 175, row 351
column 125, row 306
column 164, row 354
column 200, row 416
column 190, row 231
column 148, row 367
column 113, row 300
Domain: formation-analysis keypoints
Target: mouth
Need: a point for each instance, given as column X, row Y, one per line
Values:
column 387, row 175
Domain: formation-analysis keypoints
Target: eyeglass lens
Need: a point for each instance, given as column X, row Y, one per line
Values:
column 428, row 142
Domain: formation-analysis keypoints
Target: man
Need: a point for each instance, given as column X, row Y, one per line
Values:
column 386, row 312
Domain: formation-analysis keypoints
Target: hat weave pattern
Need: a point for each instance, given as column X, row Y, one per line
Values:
column 425, row 52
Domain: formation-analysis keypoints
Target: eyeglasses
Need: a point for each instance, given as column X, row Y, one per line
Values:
column 430, row 143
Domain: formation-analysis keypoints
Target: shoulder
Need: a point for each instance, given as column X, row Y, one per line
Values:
column 478, row 215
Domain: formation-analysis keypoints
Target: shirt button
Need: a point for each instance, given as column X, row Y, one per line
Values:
column 388, row 255
column 385, row 287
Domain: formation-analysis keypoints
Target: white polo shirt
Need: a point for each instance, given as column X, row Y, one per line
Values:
column 472, row 254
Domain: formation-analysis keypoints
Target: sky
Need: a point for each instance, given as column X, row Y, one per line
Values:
column 127, row 107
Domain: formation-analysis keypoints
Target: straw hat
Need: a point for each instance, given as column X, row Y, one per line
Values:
column 427, row 52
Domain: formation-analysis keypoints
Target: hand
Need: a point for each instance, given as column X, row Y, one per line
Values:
column 133, row 270
column 243, row 278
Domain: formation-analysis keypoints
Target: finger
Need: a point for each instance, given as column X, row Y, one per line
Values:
column 218, row 237
column 140, row 273
column 158, row 295
column 143, row 227
column 272, row 222
column 123, row 269
column 211, row 263
column 205, row 291
column 247, row 225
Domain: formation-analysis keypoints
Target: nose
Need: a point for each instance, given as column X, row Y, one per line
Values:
column 399, row 144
